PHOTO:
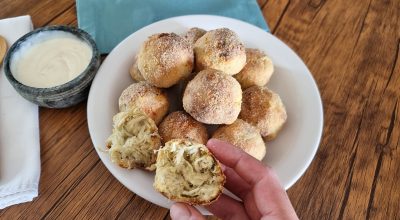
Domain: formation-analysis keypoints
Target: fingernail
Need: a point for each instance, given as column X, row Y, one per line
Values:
column 179, row 211
column 211, row 142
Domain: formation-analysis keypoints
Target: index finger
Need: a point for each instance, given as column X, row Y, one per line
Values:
column 247, row 167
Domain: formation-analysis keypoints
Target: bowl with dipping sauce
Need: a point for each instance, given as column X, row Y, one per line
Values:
column 53, row 66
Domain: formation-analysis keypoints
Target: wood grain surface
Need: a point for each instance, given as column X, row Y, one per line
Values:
column 352, row 49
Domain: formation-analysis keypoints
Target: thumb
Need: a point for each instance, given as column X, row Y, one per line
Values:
column 182, row 211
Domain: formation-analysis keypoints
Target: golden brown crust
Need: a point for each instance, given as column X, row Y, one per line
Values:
column 150, row 99
column 170, row 179
column 213, row 97
column 135, row 73
column 220, row 49
column 193, row 34
column 181, row 125
column 243, row 135
column 257, row 71
column 164, row 59
column 263, row 109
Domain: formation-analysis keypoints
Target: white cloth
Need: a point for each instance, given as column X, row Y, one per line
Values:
column 19, row 131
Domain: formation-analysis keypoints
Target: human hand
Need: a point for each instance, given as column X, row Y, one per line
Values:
column 256, row 185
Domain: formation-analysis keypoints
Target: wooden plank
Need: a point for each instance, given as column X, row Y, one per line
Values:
column 97, row 195
column 273, row 12
column 384, row 199
column 261, row 3
column 139, row 208
column 66, row 18
column 351, row 62
column 376, row 55
column 41, row 11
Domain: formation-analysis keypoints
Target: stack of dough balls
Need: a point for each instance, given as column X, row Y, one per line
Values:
column 220, row 82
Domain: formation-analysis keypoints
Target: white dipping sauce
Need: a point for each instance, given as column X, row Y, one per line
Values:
column 50, row 58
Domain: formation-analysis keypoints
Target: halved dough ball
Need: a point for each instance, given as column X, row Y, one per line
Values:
column 220, row 49
column 258, row 69
column 263, row 109
column 165, row 59
column 133, row 140
column 150, row 99
column 243, row 135
column 135, row 73
column 188, row 172
column 213, row 97
column 181, row 125
column 193, row 34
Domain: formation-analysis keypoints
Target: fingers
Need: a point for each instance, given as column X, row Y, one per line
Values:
column 181, row 211
column 227, row 208
column 251, row 206
column 247, row 167
column 266, row 193
column 235, row 183
column 239, row 187
column 272, row 200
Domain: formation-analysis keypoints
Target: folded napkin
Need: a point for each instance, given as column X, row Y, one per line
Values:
column 109, row 22
column 19, row 131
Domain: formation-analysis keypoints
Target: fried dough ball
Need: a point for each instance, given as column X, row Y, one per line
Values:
column 164, row 59
column 133, row 140
column 243, row 135
column 257, row 71
column 188, row 172
column 213, row 97
column 220, row 49
column 150, row 99
column 193, row 34
column 263, row 109
column 181, row 125
column 135, row 73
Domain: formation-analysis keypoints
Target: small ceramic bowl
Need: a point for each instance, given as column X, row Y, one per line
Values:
column 60, row 96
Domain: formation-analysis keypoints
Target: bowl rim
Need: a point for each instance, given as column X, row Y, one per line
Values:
column 54, row 90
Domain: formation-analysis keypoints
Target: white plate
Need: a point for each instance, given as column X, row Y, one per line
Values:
column 289, row 155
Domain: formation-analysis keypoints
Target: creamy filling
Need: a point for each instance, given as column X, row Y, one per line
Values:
column 133, row 140
column 187, row 171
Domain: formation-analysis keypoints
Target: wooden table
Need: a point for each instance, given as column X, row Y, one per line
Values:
column 352, row 49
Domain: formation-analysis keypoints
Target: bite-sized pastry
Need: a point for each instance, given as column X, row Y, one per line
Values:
column 257, row 71
column 263, row 109
column 181, row 125
column 213, row 97
column 134, row 140
column 188, row 172
column 193, row 34
column 164, row 59
column 135, row 73
column 150, row 99
column 220, row 49
column 243, row 135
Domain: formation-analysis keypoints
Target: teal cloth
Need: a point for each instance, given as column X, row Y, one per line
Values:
column 109, row 22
